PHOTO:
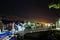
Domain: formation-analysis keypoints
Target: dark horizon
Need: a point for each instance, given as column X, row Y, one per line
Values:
column 36, row 10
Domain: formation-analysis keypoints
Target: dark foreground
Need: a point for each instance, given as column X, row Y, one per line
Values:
column 43, row 35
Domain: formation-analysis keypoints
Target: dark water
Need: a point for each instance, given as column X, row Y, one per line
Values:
column 43, row 35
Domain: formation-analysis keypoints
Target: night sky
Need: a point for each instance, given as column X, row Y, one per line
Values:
column 36, row 10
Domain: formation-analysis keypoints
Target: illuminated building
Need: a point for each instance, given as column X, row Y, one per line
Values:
column 58, row 24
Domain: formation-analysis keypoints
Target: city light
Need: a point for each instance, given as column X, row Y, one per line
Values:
column 58, row 28
column 29, row 23
column 59, row 21
column 49, row 24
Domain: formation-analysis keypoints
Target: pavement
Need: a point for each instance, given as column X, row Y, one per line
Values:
column 42, row 35
column 38, row 34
